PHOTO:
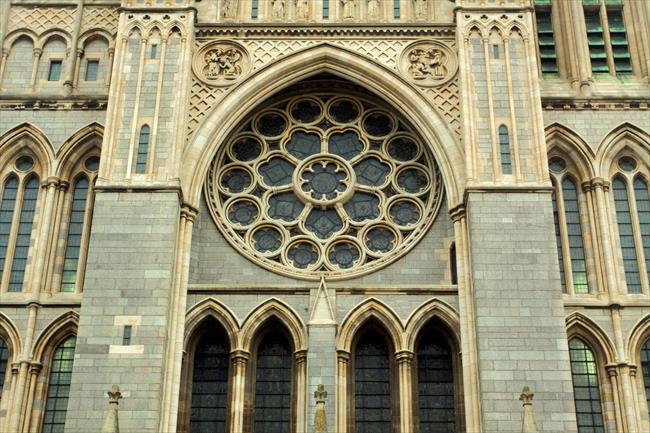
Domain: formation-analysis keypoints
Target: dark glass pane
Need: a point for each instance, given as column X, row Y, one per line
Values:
column 236, row 180
column 301, row 145
column 326, row 9
column 344, row 111
column 627, row 164
column 246, row 149
column 267, row 239
column 645, row 370
column 285, row 206
column 346, row 145
column 21, row 252
column 372, row 172
column 558, row 242
column 396, row 11
column 378, row 124
column 7, row 208
column 504, row 147
column 271, row 124
column 643, row 211
column 243, row 212
column 626, row 236
column 4, row 358
column 59, row 387
column 344, row 254
column 55, row 71
column 92, row 163
column 412, row 180
column 380, row 240
column 75, row 234
column 574, row 233
column 585, row 387
column 453, row 264
column 210, row 384
column 403, row 149
column 277, row 172
column 306, row 111
column 24, row 163
column 323, row 223
column 273, row 385
column 372, row 385
column 363, row 206
column 92, row 68
column 143, row 150
column 324, row 182
column 437, row 410
column 405, row 213
column 303, row 254
column 556, row 165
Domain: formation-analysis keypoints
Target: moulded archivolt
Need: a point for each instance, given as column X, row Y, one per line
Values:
column 323, row 184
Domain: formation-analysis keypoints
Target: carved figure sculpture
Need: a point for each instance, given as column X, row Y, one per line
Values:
column 427, row 63
column 229, row 8
column 420, row 7
column 302, row 9
column 348, row 8
column 278, row 9
column 320, row 419
column 222, row 63
column 373, row 9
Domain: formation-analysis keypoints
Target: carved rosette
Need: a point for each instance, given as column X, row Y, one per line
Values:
column 428, row 63
column 221, row 63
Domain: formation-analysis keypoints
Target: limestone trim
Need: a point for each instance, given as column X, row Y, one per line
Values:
column 639, row 335
column 58, row 329
column 581, row 326
column 434, row 310
column 370, row 309
column 211, row 308
column 273, row 309
column 562, row 139
column 10, row 334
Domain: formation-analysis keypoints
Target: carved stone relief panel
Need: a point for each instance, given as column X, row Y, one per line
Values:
column 429, row 63
column 221, row 63
column 40, row 19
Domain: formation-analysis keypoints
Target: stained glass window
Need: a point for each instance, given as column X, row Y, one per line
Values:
column 75, row 234
column 210, row 383
column 4, row 358
column 372, row 385
column 58, row 388
column 626, row 235
column 504, row 149
column 574, row 234
column 437, row 409
column 273, row 385
column 21, row 250
column 586, row 390
column 143, row 150
column 7, row 208
column 643, row 211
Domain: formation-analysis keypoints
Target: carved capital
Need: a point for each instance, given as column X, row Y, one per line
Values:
column 526, row 396
column 114, row 395
column 404, row 357
column 612, row 370
column 458, row 213
column 239, row 357
column 35, row 368
column 343, row 356
column 300, row 356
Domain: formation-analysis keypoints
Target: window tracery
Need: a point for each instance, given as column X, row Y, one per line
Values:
column 324, row 183
column 631, row 196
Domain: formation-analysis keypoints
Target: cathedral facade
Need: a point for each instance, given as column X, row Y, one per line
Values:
column 311, row 216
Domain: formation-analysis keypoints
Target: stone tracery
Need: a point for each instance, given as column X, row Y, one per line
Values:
column 324, row 184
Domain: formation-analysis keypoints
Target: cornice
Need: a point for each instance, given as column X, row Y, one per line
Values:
column 47, row 103
column 323, row 30
column 595, row 104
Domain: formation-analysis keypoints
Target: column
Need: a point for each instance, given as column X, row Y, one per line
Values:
column 239, row 360
column 404, row 359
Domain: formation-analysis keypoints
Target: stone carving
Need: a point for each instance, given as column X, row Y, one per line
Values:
column 348, row 8
column 41, row 19
column 528, row 425
column 220, row 64
column 320, row 420
column 429, row 63
column 111, row 423
column 302, row 9
column 373, row 9
column 421, row 7
column 229, row 8
column 278, row 9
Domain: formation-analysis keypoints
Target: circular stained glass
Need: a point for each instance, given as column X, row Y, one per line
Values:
column 556, row 164
column 92, row 163
column 325, row 184
column 24, row 163
column 627, row 164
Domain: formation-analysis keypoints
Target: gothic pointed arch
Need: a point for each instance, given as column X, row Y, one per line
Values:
column 210, row 308
column 59, row 329
column 624, row 136
column 10, row 334
column 27, row 137
column 563, row 140
column 295, row 67
column 639, row 334
column 580, row 326
column 84, row 141
column 370, row 310
column 435, row 310
column 269, row 310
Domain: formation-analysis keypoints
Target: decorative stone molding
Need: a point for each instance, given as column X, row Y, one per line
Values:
column 429, row 63
column 221, row 63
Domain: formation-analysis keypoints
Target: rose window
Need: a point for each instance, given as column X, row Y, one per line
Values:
column 324, row 185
